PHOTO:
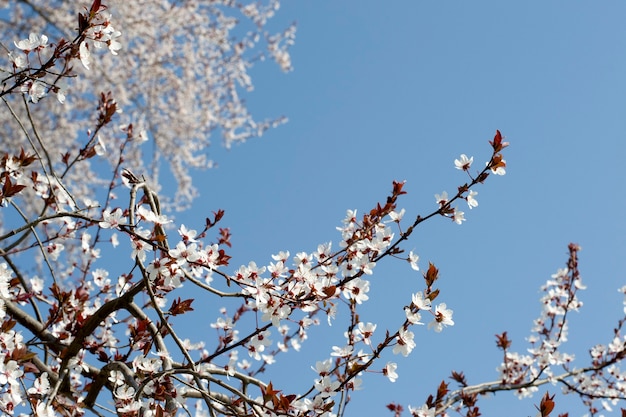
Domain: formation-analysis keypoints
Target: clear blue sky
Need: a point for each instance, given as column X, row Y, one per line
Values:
column 397, row 90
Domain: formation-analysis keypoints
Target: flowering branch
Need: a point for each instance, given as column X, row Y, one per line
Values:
column 524, row 374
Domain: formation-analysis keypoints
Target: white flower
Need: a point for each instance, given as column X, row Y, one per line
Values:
column 443, row 317
column 124, row 392
column 61, row 89
column 413, row 258
column 100, row 277
column 114, row 44
column 34, row 41
column 188, row 235
column 390, row 371
column 111, row 220
column 357, row 290
column 442, row 198
column 463, row 162
column 258, row 344
column 458, row 216
column 41, row 385
column 422, row 411
column 366, row 331
column 413, row 318
column 36, row 91
column 342, row 352
column 397, row 216
column 10, row 373
column 420, row 301
column 44, row 410
column 85, row 55
column 54, row 250
column 323, row 368
column 100, row 147
column 326, row 386
column 471, row 201
column 405, row 342
column 19, row 61
column 116, row 378
column 5, row 277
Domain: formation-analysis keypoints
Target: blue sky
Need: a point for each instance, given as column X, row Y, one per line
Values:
column 397, row 91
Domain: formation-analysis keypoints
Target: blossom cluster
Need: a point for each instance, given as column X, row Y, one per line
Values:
column 95, row 315
column 179, row 70
column 80, row 333
column 601, row 384
column 35, row 58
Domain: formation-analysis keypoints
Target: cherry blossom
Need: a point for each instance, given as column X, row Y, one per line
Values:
column 111, row 220
column 471, row 201
column 188, row 235
column 357, row 290
column 85, row 326
column 413, row 259
column 458, row 216
column 342, row 352
column 405, row 343
column 413, row 317
column 422, row 411
column 443, row 317
column 258, row 344
column 326, row 386
column 421, row 302
column 463, row 163
column 365, row 332
column 390, row 371
column 33, row 42
column 18, row 60
column 397, row 216
column 228, row 40
column 10, row 372
column 442, row 199
column 36, row 90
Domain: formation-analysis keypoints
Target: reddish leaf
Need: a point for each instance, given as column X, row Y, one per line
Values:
column 65, row 158
column 431, row 275
column 26, row 159
column 180, row 307
column 397, row 188
column 269, row 393
column 7, row 325
column 502, row 341
column 82, row 23
column 224, row 237
column 459, row 377
column 547, row 405
column 284, row 403
column 330, row 291
column 95, row 6
column 223, row 258
column 9, row 189
column 432, row 295
column 497, row 142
